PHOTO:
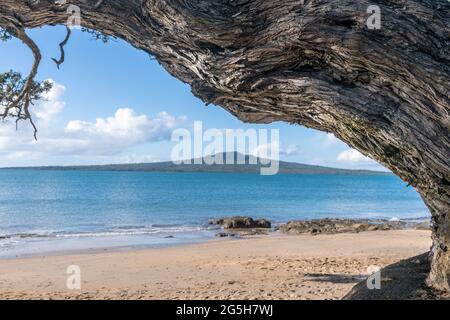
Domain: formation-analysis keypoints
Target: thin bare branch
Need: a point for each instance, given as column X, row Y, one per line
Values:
column 61, row 47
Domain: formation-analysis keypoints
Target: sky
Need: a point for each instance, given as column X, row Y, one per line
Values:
column 111, row 103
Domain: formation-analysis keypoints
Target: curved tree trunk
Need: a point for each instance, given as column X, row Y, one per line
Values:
column 314, row 62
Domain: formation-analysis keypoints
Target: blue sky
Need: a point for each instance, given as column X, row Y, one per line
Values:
column 112, row 103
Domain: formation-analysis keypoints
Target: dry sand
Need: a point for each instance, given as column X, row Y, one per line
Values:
column 263, row 267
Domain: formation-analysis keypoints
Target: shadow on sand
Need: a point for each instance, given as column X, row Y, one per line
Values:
column 404, row 280
column 334, row 278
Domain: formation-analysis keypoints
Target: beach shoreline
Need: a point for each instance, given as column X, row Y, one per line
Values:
column 129, row 238
column 274, row 266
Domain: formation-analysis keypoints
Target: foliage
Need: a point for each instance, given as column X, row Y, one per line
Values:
column 12, row 85
column 96, row 35
column 4, row 34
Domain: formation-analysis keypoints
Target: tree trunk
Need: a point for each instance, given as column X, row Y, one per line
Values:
column 385, row 92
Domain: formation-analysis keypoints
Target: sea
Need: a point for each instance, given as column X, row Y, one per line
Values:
column 44, row 212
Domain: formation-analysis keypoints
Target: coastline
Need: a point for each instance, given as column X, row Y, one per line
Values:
column 276, row 266
column 131, row 238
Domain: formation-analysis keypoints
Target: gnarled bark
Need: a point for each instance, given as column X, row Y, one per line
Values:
column 385, row 92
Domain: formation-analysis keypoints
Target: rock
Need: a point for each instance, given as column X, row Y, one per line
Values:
column 333, row 226
column 422, row 226
column 242, row 223
column 225, row 234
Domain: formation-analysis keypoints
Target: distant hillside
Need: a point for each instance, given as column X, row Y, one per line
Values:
column 284, row 167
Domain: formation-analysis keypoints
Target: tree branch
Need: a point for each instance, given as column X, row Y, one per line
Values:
column 316, row 63
column 23, row 101
column 61, row 47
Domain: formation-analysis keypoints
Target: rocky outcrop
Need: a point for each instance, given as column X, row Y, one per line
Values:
column 241, row 223
column 332, row 226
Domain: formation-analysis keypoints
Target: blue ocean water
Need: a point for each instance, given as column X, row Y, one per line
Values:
column 46, row 211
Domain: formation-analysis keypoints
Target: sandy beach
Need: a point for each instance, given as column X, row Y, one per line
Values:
column 263, row 267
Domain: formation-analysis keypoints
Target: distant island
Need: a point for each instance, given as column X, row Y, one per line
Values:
column 169, row 166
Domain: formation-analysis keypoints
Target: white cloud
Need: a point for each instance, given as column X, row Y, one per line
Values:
column 125, row 129
column 289, row 150
column 126, row 123
column 18, row 155
column 51, row 104
column 60, row 146
column 110, row 137
column 331, row 140
column 137, row 158
column 352, row 156
column 268, row 150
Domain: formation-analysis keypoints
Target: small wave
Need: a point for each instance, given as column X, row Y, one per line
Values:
column 24, row 235
column 4, row 243
column 130, row 230
column 130, row 227
column 165, row 225
column 418, row 219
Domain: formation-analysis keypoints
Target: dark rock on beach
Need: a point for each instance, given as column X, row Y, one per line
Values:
column 240, row 233
column 333, row 226
column 225, row 235
column 242, row 223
